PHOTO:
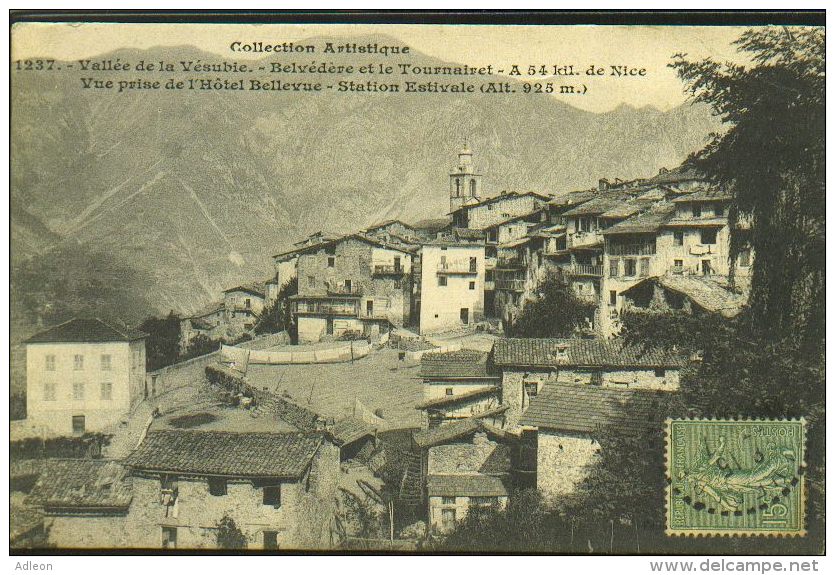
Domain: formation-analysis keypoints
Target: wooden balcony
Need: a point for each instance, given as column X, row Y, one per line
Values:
column 585, row 270
column 388, row 270
column 510, row 285
column 614, row 249
column 341, row 308
column 462, row 267
column 510, row 263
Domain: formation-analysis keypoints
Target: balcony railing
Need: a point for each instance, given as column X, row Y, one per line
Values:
column 388, row 270
column 511, row 285
column 510, row 263
column 324, row 307
column 344, row 290
column 462, row 267
column 631, row 249
column 586, row 270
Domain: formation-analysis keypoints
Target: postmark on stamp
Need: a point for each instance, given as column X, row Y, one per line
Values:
column 735, row 478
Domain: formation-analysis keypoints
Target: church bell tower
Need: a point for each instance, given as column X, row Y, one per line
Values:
column 464, row 183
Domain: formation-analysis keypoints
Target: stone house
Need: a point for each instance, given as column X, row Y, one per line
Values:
column 84, row 503
column 83, row 375
column 279, row 488
column 242, row 305
column 209, row 321
column 457, row 385
column 352, row 284
column 491, row 211
column 529, row 364
column 451, row 285
column 697, row 294
column 562, row 426
column 461, row 476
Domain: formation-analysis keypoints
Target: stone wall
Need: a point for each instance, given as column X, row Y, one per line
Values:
column 563, row 461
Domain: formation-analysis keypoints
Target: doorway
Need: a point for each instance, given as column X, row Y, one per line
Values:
column 465, row 315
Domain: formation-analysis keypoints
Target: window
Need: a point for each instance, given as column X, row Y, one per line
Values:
column 483, row 501
column 78, row 425
column 697, row 211
column 441, row 281
column 531, row 389
column 709, row 236
column 489, row 207
column 449, row 391
column 78, row 362
column 629, row 267
column 472, row 285
column 49, row 363
column 248, row 303
column 614, row 267
column 719, row 211
column 745, row 257
column 678, row 263
column 457, row 187
column 217, row 486
column 270, row 539
column 706, row 268
column 49, row 391
column 447, row 500
column 169, row 537
column 613, row 297
column 396, row 263
column 272, row 495
column 472, row 187
column 488, row 275
column 596, row 378
column 348, row 286
column 678, row 238
column 78, row 390
column 331, row 262
column 660, row 373
column 106, row 391
column 473, row 264
column 398, row 284
column 106, row 363
column 644, row 267
column 448, row 518
column 311, row 281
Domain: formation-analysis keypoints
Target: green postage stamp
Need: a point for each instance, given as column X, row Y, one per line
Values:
column 736, row 478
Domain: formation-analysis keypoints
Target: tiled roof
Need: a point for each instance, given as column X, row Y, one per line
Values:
column 679, row 174
column 431, row 224
column 451, row 399
column 252, row 288
column 702, row 291
column 587, row 408
column 530, row 352
column 209, row 309
column 573, row 198
column 604, row 202
column 84, row 330
column 200, row 324
column 647, row 222
column 628, row 208
column 469, row 234
column 504, row 196
column 315, row 247
column 23, row 520
column 705, row 195
column 458, row 429
column 349, row 429
column 463, row 363
column 284, row 455
column 81, row 483
column 473, row 485
column 480, row 456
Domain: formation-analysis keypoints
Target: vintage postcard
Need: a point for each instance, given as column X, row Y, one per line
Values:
column 491, row 284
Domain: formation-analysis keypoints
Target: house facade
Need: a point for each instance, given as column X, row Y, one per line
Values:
column 354, row 284
column 457, row 385
column 451, row 285
column 82, row 376
column 279, row 488
column 242, row 306
column 485, row 213
column 527, row 365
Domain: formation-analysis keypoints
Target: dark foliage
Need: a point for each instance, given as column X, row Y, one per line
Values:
column 555, row 313
column 17, row 405
column 772, row 158
column 162, row 347
column 276, row 316
column 88, row 445
column 200, row 345
column 229, row 535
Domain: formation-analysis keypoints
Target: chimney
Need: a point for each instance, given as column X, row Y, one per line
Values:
column 663, row 171
column 603, row 184
column 504, row 193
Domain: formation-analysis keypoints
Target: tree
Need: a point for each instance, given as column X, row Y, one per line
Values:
column 276, row 316
column 229, row 535
column 772, row 159
column 555, row 313
column 162, row 347
column 199, row 345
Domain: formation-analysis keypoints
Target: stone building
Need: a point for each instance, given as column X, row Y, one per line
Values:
column 485, row 213
column 529, row 364
column 451, row 285
column 352, row 284
column 83, row 375
column 457, row 385
column 84, row 503
column 280, row 489
column 561, row 429
column 242, row 306
column 465, row 475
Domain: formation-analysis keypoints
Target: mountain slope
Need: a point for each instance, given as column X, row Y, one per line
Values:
column 196, row 190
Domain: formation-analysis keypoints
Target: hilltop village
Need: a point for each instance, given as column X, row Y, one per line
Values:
column 393, row 385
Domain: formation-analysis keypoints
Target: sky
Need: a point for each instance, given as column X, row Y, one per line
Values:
column 650, row 47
